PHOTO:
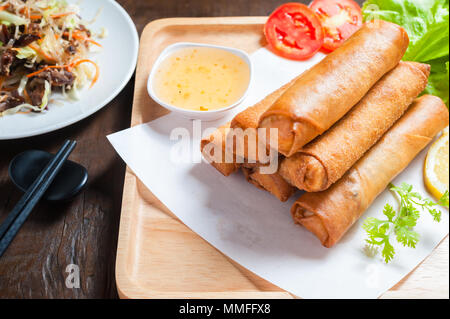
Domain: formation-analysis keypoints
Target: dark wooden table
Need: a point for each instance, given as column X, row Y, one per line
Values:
column 84, row 231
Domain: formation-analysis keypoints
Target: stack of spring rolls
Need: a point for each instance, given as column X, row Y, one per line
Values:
column 344, row 129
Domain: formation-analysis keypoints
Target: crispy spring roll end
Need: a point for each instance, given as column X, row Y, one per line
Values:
column 330, row 214
column 291, row 133
column 285, row 127
column 317, row 166
column 311, row 222
column 218, row 138
column 225, row 169
column 425, row 68
column 319, row 98
column 311, row 176
column 273, row 183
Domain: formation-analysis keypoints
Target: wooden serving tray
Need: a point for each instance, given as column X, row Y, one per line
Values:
column 157, row 255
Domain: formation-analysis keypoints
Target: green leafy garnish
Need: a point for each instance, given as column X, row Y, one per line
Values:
column 438, row 81
column 444, row 200
column 427, row 25
column 400, row 224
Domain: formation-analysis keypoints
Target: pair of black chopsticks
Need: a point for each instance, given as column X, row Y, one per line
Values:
column 14, row 221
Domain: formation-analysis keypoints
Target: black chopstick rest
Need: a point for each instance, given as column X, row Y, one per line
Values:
column 18, row 216
column 29, row 193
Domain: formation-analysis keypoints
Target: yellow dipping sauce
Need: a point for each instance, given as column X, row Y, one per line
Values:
column 201, row 79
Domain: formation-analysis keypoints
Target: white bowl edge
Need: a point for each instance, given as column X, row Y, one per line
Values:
column 192, row 114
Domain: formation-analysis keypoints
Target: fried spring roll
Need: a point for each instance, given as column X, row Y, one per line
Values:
column 248, row 120
column 326, row 159
column 329, row 214
column 327, row 91
column 218, row 138
column 273, row 183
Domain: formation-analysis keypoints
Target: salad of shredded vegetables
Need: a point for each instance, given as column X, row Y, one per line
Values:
column 44, row 47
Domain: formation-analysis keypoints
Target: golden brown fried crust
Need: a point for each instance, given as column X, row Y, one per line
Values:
column 324, row 93
column 326, row 159
column 248, row 120
column 218, row 138
column 273, row 183
column 337, row 208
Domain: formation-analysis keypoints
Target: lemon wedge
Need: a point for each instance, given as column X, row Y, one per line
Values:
column 436, row 166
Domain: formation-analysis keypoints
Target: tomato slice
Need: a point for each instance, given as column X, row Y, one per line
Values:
column 339, row 18
column 294, row 31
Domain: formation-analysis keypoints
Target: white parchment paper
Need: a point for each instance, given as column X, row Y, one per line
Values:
column 250, row 225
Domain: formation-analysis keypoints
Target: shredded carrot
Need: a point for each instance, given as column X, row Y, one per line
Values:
column 60, row 15
column 10, row 89
column 4, row 7
column 79, row 36
column 53, row 16
column 26, row 96
column 48, row 67
column 93, row 42
column 23, row 10
column 69, row 67
column 42, row 53
column 26, row 11
column 97, row 69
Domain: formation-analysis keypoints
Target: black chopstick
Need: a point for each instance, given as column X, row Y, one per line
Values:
column 23, row 208
column 31, row 190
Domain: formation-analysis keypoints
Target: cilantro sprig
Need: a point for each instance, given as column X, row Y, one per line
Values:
column 400, row 224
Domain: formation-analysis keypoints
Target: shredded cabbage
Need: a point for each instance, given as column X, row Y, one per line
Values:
column 60, row 27
column 73, row 94
column 22, row 85
column 48, row 91
column 55, row 4
column 72, row 21
column 5, row 16
column 19, row 108
column 25, row 53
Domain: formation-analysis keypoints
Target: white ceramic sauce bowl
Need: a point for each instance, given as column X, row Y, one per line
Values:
column 192, row 114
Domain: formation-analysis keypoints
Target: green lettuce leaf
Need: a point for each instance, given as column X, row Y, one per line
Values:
column 427, row 25
column 438, row 81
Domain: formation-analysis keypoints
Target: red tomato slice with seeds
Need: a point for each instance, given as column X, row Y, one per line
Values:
column 339, row 18
column 294, row 31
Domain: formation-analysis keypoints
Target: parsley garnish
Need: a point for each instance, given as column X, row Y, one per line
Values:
column 400, row 224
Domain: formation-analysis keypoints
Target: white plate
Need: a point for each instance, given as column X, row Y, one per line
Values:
column 117, row 61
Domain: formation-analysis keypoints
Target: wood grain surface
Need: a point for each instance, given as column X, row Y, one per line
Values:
column 160, row 257
column 84, row 231
column 157, row 255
